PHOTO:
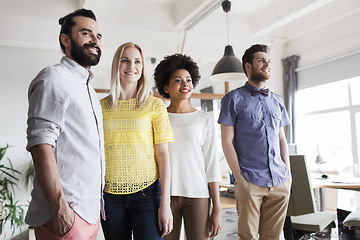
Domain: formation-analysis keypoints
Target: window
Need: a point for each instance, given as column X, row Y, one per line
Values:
column 328, row 123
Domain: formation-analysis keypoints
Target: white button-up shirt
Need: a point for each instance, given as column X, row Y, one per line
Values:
column 64, row 111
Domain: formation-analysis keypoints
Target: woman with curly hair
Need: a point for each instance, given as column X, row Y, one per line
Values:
column 195, row 172
column 137, row 132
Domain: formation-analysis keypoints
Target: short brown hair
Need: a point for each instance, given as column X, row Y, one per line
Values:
column 249, row 53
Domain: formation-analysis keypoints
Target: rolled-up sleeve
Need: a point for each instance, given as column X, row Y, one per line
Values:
column 47, row 107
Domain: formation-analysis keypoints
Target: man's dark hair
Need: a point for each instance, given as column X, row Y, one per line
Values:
column 249, row 54
column 166, row 68
column 67, row 22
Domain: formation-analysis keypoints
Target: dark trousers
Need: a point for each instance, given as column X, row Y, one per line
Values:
column 135, row 213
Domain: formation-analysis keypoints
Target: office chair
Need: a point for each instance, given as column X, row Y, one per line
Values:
column 302, row 217
column 353, row 219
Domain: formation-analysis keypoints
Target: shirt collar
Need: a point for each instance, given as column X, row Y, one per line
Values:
column 76, row 68
column 250, row 87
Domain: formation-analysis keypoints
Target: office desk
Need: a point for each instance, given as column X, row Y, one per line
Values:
column 227, row 186
column 336, row 182
column 332, row 182
column 227, row 200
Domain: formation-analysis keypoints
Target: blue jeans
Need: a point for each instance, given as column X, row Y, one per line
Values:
column 135, row 213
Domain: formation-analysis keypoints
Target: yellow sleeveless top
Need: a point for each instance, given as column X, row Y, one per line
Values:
column 130, row 134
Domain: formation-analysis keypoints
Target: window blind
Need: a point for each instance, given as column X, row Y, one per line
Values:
column 336, row 69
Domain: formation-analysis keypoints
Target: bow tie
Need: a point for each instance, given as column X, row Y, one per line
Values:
column 256, row 91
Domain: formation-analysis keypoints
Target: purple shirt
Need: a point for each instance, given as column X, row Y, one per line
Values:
column 257, row 120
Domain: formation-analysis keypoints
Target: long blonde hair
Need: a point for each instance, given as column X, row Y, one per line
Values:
column 116, row 91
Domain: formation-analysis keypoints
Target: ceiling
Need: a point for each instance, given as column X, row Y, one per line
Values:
column 194, row 27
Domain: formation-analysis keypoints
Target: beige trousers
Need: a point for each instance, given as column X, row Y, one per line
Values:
column 261, row 210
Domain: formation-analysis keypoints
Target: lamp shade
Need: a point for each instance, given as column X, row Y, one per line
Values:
column 228, row 68
column 319, row 159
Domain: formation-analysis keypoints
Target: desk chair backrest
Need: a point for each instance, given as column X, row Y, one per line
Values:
column 302, row 195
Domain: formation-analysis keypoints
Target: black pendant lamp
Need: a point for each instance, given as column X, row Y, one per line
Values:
column 229, row 66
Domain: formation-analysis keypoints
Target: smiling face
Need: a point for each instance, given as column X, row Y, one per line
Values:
column 260, row 68
column 131, row 66
column 84, row 43
column 180, row 85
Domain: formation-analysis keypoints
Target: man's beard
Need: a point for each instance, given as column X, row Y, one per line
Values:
column 259, row 77
column 79, row 55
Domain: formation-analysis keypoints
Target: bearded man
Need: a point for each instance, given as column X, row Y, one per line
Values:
column 253, row 139
column 65, row 137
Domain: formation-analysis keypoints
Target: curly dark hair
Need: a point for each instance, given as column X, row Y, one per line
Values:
column 166, row 68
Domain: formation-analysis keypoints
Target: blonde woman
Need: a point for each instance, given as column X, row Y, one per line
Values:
column 137, row 132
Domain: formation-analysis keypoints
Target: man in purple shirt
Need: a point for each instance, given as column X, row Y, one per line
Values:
column 254, row 143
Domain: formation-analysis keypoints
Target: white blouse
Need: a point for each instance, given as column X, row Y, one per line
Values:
column 193, row 154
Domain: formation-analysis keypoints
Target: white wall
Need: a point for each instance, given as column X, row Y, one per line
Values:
column 18, row 67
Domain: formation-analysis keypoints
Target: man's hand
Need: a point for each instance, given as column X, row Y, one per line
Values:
column 48, row 177
column 63, row 219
